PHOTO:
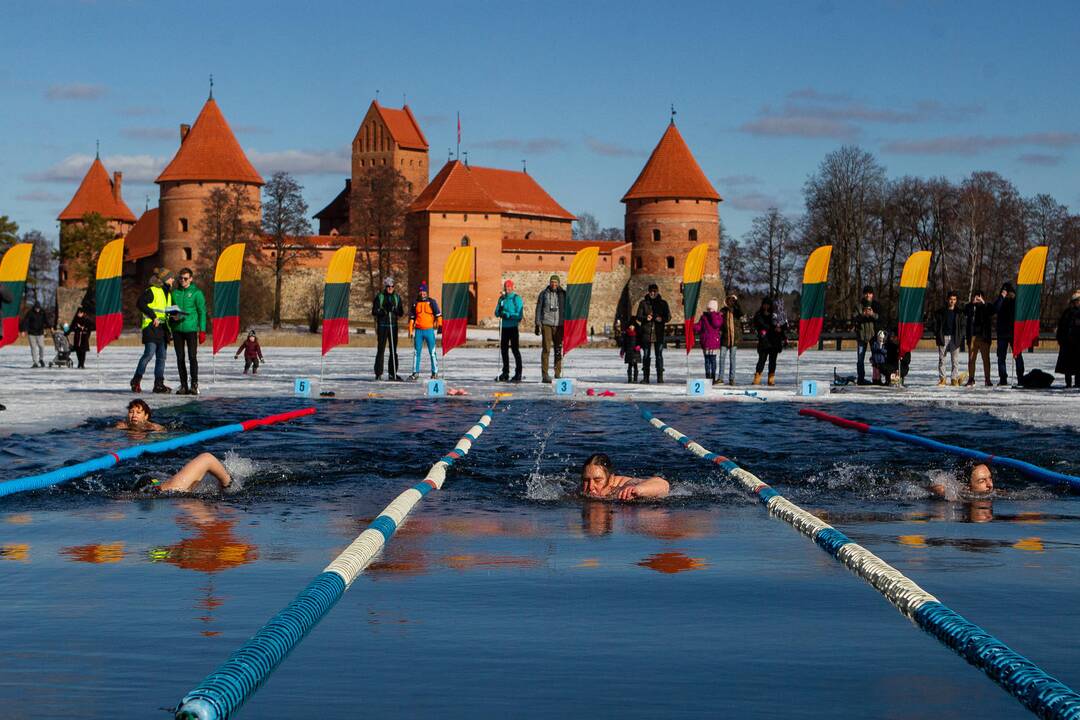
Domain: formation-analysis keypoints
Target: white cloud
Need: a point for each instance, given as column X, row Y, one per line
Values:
column 302, row 162
column 75, row 91
column 136, row 168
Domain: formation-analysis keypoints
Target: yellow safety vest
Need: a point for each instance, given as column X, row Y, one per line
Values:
column 160, row 301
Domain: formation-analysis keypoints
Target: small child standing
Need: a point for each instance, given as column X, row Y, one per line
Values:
column 878, row 355
column 631, row 351
column 252, row 353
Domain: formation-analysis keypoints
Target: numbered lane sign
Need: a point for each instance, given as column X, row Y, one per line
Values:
column 302, row 387
column 808, row 388
column 564, row 386
column 696, row 387
column 436, row 388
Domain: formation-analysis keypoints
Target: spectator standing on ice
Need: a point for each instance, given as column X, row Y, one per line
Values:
column 949, row 336
column 867, row 324
column 387, row 309
column 155, row 329
column 188, row 329
column 879, row 354
column 424, row 319
column 549, row 319
column 631, row 351
column 34, row 323
column 509, row 310
column 896, row 365
column 771, row 336
column 1005, row 308
column 80, row 328
column 729, row 339
column 653, row 315
column 252, row 353
column 1068, row 337
column 979, row 330
column 710, row 328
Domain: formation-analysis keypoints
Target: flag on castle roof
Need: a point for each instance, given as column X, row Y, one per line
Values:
column 461, row 188
column 671, row 172
column 98, row 194
column 402, row 126
column 210, row 153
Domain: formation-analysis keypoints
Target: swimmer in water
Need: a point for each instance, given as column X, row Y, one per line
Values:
column 598, row 480
column 980, row 484
column 138, row 418
column 189, row 476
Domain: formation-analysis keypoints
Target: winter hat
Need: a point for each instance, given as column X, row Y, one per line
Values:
column 162, row 275
column 1008, row 287
column 553, row 278
column 881, row 335
column 388, row 282
column 631, row 329
column 423, row 286
column 713, row 305
column 66, row 327
column 509, row 284
column 654, row 286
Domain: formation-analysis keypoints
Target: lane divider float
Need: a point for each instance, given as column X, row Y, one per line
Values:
column 222, row 692
column 1032, row 471
column 72, row 472
column 1038, row 691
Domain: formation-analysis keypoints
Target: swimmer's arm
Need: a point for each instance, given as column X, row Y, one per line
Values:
column 654, row 487
column 190, row 475
column 154, row 427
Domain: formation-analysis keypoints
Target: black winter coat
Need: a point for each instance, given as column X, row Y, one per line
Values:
column 81, row 327
column 979, row 321
column 1005, row 308
column 34, row 322
column 1068, row 337
column 942, row 328
column 770, row 336
column 653, row 331
column 387, row 309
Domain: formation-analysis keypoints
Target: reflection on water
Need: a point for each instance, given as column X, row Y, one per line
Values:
column 212, row 547
column 672, row 562
column 19, row 552
column 18, row 518
column 1030, row 544
column 95, row 553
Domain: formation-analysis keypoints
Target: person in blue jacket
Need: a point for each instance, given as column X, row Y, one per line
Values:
column 509, row 311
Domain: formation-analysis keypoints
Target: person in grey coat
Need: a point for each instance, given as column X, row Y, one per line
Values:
column 549, row 319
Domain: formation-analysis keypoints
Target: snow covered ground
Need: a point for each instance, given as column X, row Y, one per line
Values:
column 38, row 400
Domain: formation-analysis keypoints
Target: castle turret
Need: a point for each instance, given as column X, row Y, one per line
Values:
column 209, row 158
column 670, row 208
column 96, row 194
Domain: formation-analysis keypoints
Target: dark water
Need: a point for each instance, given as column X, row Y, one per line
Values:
column 505, row 595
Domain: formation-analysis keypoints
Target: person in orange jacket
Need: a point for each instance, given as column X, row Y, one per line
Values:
column 424, row 319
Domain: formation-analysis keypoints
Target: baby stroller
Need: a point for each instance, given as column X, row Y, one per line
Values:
column 63, row 350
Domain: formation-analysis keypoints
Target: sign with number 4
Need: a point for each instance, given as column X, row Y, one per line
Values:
column 695, row 387
column 436, row 388
column 302, row 387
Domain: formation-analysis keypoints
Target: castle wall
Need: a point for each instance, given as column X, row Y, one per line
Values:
column 535, row 228
column 181, row 210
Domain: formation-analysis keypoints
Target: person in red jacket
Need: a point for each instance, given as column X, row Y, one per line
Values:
column 252, row 353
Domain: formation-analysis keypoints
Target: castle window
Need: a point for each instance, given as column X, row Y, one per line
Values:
column 693, row 235
column 656, row 234
column 517, row 257
column 622, row 261
column 528, row 235
column 670, row 262
column 465, row 241
column 444, row 216
column 539, row 258
column 187, row 253
column 183, row 224
column 465, row 217
column 485, row 216
column 637, row 263
column 562, row 258
column 384, row 161
column 676, row 201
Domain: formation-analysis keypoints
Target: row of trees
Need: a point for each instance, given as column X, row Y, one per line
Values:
column 978, row 230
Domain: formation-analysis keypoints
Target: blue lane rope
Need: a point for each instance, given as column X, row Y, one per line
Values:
column 72, row 472
column 1038, row 691
column 224, row 691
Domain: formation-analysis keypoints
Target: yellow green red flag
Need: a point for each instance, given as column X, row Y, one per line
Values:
column 812, row 303
column 335, row 326
column 1029, row 284
column 578, row 297
column 13, row 269
column 109, row 311
column 457, row 276
column 226, row 317
column 912, row 293
column 693, row 272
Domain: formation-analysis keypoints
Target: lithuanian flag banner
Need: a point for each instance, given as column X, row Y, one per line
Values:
column 912, row 294
column 1029, row 284
column 692, row 273
column 457, row 275
column 226, row 317
column 13, row 269
column 578, row 297
column 109, row 311
column 335, row 324
column 812, row 304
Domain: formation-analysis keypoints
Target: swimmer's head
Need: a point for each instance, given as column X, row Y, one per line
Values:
column 138, row 412
column 980, row 479
column 146, row 485
column 596, row 475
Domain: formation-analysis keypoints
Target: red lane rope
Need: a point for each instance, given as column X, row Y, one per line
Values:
column 280, row 417
column 835, row 420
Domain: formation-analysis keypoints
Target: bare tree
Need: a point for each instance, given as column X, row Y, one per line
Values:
column 230, row 216
column 284, row 224
column 769, row 251
column 9, row 233
column 586, row 227
column 81, row 243
column 41, row 277
column 380, row 199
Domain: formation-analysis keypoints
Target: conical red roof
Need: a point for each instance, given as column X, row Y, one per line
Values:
column 95, row 194
column 671, row 172
column 210, row 153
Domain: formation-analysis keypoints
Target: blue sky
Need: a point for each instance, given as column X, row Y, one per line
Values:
column 581, row 90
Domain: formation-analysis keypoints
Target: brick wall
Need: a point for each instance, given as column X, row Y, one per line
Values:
column 608, row 289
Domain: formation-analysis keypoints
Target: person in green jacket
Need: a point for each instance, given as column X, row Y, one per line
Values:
column 188, row 329
column 509, row 310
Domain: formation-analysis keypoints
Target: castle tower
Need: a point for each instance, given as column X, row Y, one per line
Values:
column 209, row 158
column 670, row 208
column 388, row 136
column 96, row 194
